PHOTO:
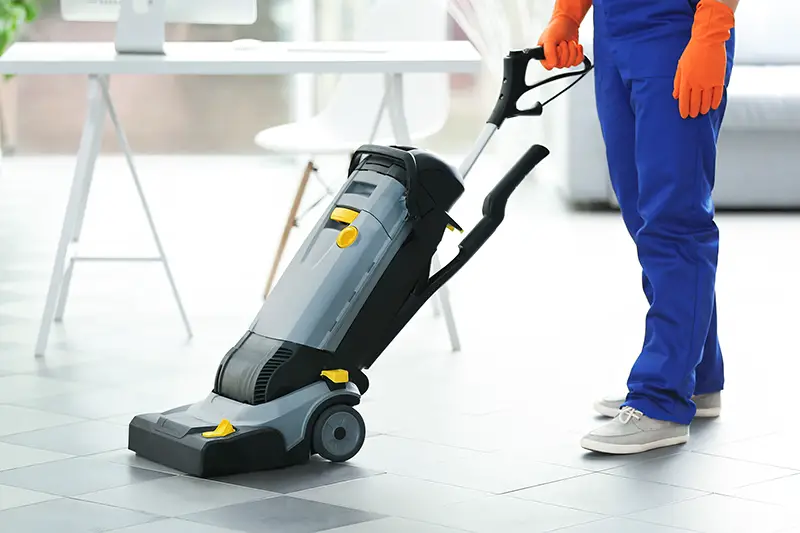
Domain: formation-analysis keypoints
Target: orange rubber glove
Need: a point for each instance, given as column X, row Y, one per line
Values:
column 700, row 77
column 560, row 37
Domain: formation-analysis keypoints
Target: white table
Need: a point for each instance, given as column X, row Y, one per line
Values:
column 99, row 61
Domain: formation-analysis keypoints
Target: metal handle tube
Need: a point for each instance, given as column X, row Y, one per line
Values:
column 477, row 149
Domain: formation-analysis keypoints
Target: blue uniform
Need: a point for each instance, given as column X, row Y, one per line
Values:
column 662, row 171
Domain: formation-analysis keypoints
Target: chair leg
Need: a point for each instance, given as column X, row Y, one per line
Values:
column 290, row 222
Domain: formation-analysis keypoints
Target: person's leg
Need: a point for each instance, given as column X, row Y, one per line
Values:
column 618, row 128
column 710, row 373
column 678, row 247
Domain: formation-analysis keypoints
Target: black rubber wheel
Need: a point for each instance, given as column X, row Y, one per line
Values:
column 339, row 433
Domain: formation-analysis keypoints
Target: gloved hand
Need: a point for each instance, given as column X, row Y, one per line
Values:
column 560, row 37
column 700, row 78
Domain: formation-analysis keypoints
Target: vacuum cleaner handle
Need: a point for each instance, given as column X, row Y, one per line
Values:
column 515, row 67
column 494, row 211
column 494, row 205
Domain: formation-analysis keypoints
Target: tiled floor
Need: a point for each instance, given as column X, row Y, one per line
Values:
column 485, row 440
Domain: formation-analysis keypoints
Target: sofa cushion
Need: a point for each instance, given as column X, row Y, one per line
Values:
column 764, row 98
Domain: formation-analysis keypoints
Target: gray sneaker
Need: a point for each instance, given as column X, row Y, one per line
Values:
column 633, row 432
column 708, row 405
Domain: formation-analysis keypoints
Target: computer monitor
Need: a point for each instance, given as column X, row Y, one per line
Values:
column 140, row 23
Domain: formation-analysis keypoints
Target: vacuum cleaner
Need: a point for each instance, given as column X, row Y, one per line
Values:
column 287, row 389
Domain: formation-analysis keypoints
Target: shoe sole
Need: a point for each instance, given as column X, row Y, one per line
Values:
column 610, row 412
column 629, row 449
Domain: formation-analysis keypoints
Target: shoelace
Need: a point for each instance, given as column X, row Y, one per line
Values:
column 628, row 413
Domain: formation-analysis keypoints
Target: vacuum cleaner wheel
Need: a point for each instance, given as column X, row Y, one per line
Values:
column 339, row 433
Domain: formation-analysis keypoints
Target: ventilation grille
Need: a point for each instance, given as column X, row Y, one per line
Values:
column 280, row 356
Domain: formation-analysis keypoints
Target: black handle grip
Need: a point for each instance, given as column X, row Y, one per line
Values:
column 494, row 206
column 515, row 66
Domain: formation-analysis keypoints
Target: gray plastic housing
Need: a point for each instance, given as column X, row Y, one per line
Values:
column 321, row 291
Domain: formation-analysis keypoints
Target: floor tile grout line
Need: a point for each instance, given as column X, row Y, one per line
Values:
column 512, row 492
column 750, row 461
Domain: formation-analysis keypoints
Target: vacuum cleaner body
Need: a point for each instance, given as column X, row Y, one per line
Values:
column 332, row 313
column 288, row 388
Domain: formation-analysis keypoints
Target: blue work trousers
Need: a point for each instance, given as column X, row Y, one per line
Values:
column 662, row 171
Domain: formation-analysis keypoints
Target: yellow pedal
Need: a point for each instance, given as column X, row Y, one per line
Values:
column 224, row 429
column 337, row 376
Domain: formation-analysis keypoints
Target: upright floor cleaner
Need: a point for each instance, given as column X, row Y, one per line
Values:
column 287, row 389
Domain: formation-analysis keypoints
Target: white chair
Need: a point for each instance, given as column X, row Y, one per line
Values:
column 358, row 110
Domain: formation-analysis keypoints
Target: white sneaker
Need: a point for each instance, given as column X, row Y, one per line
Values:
column 708, row 405
column 633, row 432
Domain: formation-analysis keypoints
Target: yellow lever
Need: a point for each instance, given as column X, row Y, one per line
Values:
column 342, row 214
column 224, row 429
column 337, row 376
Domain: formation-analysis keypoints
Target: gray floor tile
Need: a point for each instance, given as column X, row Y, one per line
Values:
column 462, row 431
column 128, row 458
column 15, row 419
column 315, row 473
column 732, row 426
column 721, row 514
column 15, row 497
column 176, row 496
column 778, row 449
column 71, row 516
column 607, row 494
column 701, row 472
column 621, row 525
column 784, row 491
column 83, row 438
column 18, row 358
column 97, row 404
column 394, row 525
column 284, row 514
column 504, row 513
column 174, row 525
column 103, row 373
column 20, row 387
column 391, row 495
column 121, row 420
column 72, row 477
column 498, row 472
column 403, row 456
column 12, row 456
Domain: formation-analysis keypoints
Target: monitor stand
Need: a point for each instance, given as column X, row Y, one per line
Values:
column 141, row 27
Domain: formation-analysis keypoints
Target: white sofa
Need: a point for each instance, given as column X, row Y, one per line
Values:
column 759, row 148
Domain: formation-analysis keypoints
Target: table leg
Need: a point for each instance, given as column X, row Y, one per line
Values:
column 80, row 212
column 87, row 153
column 396, row 107
column 126, row 149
